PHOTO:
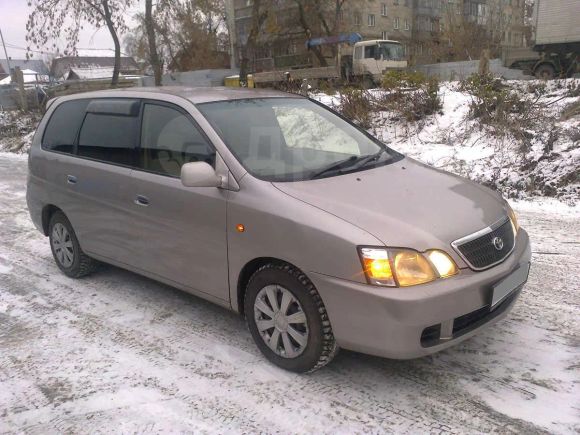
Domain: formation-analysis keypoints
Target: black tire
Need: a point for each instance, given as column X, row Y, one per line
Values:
column 545, row 72
column 82, row 264
column 321, row 346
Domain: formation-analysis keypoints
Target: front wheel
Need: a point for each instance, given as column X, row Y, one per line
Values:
column 288, row 320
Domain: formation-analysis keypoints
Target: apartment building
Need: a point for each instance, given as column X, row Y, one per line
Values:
column 426, row 28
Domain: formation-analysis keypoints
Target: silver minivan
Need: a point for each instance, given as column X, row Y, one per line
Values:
column 276, row 207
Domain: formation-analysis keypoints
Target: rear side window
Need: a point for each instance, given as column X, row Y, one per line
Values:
column 109, row 138
column 63, row 126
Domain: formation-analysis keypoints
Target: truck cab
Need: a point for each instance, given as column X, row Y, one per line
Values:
column 373, row 58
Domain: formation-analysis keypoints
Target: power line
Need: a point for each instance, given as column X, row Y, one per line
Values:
column 16, row 47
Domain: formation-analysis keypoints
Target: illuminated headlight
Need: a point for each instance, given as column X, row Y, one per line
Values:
column 513, row 219
column 405, row 267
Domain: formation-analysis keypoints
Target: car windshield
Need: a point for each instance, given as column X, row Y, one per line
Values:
column 391, row 51
column 293, row 139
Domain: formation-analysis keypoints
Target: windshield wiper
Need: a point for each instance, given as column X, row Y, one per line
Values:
column 359, row 161
column 371, row 158
column 336, row 165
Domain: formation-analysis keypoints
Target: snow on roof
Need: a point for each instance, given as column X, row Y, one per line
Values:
column 61, row 66
column 90, row 73
column 30, row 76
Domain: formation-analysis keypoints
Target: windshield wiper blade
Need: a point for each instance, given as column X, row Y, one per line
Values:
column 371, row 158
column 335, row 166
column 355, row 162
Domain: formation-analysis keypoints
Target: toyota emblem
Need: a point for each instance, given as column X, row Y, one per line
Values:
column 497, row 243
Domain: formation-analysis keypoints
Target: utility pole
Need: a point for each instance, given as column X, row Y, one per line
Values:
column 5, row 53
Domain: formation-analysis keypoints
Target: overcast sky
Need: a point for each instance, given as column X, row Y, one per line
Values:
column 13, row 17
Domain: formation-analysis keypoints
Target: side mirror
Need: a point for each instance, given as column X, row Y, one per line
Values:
column 199, row 174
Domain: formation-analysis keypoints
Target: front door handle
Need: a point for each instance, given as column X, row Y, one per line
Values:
column 71, row 179
column 142, row 200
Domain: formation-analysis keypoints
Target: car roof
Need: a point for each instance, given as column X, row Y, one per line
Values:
column 196, row 95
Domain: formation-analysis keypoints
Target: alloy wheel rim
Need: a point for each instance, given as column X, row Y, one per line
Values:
column 281, row 321
column 62, row 245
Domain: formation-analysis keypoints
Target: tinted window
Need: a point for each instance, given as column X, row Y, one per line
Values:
column 169, row 140
column 63, row 126
column 110, row 138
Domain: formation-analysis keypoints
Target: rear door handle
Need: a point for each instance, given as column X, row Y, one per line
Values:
column 71, row 179
column 141, row 200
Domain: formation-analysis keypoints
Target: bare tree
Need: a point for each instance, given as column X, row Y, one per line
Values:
column 152, row 42
column 260, row 12
column 314, row 18
column 465, row 37
column 188, row 35
column 50, row 19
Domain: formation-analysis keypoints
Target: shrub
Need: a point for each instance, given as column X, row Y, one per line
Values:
column 356, row 104
column 492, row 102
column 411, row 94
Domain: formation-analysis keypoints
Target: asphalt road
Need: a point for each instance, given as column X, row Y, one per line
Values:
column 116, row 352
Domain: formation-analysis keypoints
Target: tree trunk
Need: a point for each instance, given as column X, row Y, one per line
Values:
column 316, row 50
column 111, row 27
column 153, row 56
column 258, row 18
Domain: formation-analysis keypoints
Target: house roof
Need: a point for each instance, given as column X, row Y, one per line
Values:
column 29, row 76
column 62, row 65
column 90, row 73
column 37, row 65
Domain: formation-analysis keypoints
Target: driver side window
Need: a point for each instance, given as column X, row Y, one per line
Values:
column 169, row 139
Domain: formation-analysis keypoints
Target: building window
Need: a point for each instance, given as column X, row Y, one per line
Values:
column 357, row 18
column 384, row 9
column 384, row 35
column 397, row 23
column 407, row 25
column 371, row 20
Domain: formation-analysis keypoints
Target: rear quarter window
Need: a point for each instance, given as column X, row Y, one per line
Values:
column 63, row 126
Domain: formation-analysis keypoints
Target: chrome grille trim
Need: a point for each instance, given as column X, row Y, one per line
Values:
column 456, row 244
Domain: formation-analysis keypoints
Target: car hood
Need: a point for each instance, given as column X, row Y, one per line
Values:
column 404, row 204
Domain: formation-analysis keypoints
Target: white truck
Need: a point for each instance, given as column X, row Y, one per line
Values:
column 556, row 48
column 364, row 62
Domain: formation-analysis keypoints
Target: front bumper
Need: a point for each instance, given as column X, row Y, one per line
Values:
column 403, row 323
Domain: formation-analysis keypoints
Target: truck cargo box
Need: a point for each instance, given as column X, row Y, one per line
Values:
column 557, row 21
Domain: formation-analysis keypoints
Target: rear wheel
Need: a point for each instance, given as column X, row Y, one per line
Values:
column 545, row 72
column 66, row 250
column 288, row 320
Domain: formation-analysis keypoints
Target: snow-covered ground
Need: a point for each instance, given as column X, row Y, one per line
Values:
column 116, row 352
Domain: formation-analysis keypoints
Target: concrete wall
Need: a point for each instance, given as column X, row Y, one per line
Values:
column 10, row 98
column 200, row 78
column 461, row 70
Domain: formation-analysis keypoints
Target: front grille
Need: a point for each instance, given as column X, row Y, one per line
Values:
column 481, row 252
